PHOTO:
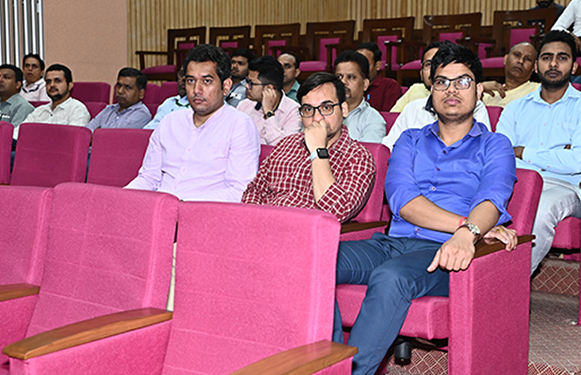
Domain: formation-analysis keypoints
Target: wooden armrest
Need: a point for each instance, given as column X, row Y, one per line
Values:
column 86, row 331
column 12, row 291
column 161, row 53
column 488, row 246
column 355, row 227
column 305, row 359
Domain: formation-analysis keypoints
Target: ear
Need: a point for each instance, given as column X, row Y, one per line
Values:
column 505, row 59
column 18, row 85
column 479, row 90
column 141, row 94
column 226, row 86
column 365, row 84
column 71, row 85
column 575, row 66
column 377, row 66
column 537, row 66
column 297, row 73
column 344, row 109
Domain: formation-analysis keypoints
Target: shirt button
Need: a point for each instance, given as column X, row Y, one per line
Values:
column 445, row 152
column 433, row 188
column 541, row 143
column 438, row 169
column 183, row 169
column 417, row 230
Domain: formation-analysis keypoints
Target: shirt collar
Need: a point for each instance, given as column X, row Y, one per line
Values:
column 474, row 131
column 571, row 92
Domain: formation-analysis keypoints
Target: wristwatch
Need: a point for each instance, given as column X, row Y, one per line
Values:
column 268, row 115
column 321, row 153
column 473, row 229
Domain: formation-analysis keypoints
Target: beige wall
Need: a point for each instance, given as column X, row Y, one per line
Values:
column 90, row 37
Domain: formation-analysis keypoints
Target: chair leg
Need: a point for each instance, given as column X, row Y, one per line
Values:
column 402, row 350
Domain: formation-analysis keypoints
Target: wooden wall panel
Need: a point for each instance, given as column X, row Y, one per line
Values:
column 148, row 20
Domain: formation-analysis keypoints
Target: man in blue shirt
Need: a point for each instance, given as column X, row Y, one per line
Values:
column 544, row 128
column 175, row 103
column 447, row 184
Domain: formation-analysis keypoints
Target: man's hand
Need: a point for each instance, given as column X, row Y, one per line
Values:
column 316, row 135
column 491, row 86
column 269, row 99
column 456, row 253
column 505, row 235
column 518, row 151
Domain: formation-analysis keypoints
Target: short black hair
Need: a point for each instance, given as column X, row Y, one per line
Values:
column 61, row 68
column 454, row 53
column 140, row 78
column 559, row 36
column 356, row 57
column 209, row 52
column 374, row 48
column 244, row 52
column 318, row 79
column 35, row 56
column 297, row 60
column 438, row 44
column 270, row 71
column 17, row 72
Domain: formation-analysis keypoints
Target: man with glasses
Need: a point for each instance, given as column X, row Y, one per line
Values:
column 419, row 112
column 321, row 168
column 545, row 130
column 175, row 103
column 447, row 185
column 274, row 114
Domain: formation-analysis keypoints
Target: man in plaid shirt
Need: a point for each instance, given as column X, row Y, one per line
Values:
column 322, row 168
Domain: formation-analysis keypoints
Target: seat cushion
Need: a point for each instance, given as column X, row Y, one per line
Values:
column 412, row 65
column 493, row 62
column 313, row 66
column 160, row 69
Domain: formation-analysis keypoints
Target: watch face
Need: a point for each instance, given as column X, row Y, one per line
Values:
column 322, row 153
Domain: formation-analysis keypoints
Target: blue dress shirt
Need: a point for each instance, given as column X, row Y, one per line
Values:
column 174, row 103
column 456, row 178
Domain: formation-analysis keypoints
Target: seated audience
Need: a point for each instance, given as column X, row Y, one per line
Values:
column 13, row 107
column 420, row 112
column 382, row 92
column 321, row 168
column 63, row 109
column 365, row 124
column 436, row 220
column 33, row 87
column 419, row 90
column 275, row 115
column 240, row 60
column 209, row 151
column 129, row 111
column 547, row 4
column 175, row 103
column 519, row 63
column 291, row 65
column 544, row 128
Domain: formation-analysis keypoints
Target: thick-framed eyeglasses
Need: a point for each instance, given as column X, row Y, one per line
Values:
column 251, row 84
column 460, row 83
column 308, row 111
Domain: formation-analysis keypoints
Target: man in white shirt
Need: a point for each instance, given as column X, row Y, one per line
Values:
column 33, row 87
column 63, row 109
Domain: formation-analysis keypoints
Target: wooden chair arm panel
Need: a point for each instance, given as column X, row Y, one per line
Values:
column 355, row 227
column 12, row 291
column 488, row 246
column 160, row 53
column 86, row 331
column 306, row 359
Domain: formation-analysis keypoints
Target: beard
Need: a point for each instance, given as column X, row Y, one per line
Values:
column 554, row 84
column 56, row 97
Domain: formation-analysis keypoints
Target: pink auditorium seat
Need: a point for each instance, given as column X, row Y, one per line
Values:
column 389, row 118
column 48, row 154
column 486, row 316
column 150, row 98
column 91, row 91
column 167, row 90
column 321, row 41
column 95, row 107
column 24, row 222
column 108, row 259
column 265, row 150
column 494, row 114
column 6, row 131
column 38, row 104
column 117, row 155
column 577, row 86
column 368, row 221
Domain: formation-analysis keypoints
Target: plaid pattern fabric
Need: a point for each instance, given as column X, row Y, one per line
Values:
column 285, row 179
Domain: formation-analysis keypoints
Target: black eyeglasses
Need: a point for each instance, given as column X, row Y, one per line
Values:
column 460, row 83
column 251, row 84
column 308, row 111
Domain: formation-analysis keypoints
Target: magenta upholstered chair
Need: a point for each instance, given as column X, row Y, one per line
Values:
column 24, row 223
column 91, row 92
column 48, row 154
column 486, row 317
column 321, row 40
column 117, row 155
column 371, row 213
column 389, row 118
column 167, row 90
column 95, row 107
column 265, row 150
column 6, row 132
column 109, row 258
column 494, row 114
column 38, row 103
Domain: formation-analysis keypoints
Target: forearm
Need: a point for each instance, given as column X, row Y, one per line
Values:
column 425, row 214
column 322, row 177
column 484, row 216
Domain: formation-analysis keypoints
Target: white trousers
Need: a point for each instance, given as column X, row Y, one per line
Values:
column 559, row 199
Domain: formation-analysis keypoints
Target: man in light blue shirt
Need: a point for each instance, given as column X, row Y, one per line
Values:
column 544, row 128
column 365, row 124
column 174, row 103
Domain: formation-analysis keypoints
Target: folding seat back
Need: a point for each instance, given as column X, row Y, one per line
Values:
column 109, row 250
column 91, row 92
column 95, row 108
column 494, row 113
column 389, row 118
column 167, row 90
column 117, row 155
column 48, row 154
column 265, row 150
column 251, row 281
column 6, row 132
